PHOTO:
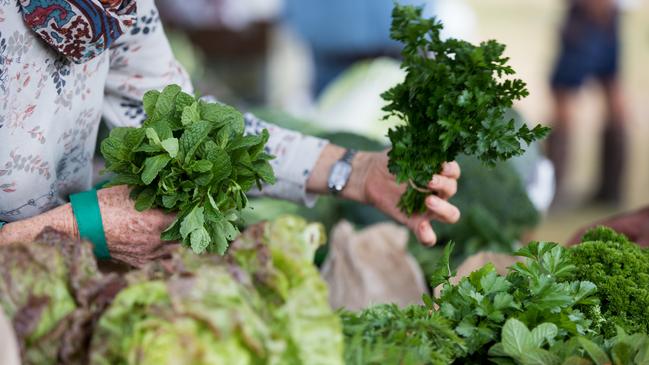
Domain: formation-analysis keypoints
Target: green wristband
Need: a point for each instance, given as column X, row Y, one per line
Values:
column 85, row 206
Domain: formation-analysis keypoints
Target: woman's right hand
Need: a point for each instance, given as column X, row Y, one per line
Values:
column 132, row 237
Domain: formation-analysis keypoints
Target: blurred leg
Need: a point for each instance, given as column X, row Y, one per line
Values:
column 558, row 141
column 613, row 144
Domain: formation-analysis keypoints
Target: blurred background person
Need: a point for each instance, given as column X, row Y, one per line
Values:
column 590, row 49
column 340, row 33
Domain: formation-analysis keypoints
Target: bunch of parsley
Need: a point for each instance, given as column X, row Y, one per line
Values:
column 387, row 334
column 620, row 269
column 190, row 157
column 535, row 292
column 453, row 100
column 540, row 345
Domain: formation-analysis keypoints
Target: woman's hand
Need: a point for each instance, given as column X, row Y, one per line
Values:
column 133, row 237
column 381, row 190
column 372, row 183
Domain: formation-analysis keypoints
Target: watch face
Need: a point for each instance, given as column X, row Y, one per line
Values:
column 339, row 175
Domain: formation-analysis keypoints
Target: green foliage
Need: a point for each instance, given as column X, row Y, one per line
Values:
column 542, row 346
column 52, row 292
column 264, row 303
column 496, row 212
column 190, row 157
column 534, row 292
column 386, row 334
column 620, row 269
column 452, row 101
column 496, row 209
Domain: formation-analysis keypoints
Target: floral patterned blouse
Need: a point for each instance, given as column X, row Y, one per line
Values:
column 50, row 109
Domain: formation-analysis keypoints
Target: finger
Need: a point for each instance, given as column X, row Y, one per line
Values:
column 451, row 169
column 444, row 187
column 442, row 210
column 420, row 225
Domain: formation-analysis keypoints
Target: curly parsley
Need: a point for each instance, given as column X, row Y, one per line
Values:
column 452, row 101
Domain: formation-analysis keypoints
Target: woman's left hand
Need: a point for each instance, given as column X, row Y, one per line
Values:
column 372, row 183
column 381, row 190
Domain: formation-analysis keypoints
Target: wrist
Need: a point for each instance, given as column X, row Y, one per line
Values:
column 26, row 230
column 355, row 188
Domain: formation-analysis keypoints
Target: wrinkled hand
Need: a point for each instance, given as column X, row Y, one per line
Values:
column 133, row 237
column 381, row 190
column 634, row 225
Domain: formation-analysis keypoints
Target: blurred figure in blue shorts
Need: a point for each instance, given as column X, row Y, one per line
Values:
column 590, row 49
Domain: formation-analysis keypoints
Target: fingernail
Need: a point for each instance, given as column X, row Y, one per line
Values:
column 434, row 181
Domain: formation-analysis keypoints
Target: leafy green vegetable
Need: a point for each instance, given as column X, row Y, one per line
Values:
column 53, row 293
column 190, row 157
column 534, row 292
column 264, row 303
column 386, row 334
column 620, row 269
column 452, row 101
column 541, row 346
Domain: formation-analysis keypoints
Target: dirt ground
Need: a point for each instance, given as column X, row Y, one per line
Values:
column 529, row 28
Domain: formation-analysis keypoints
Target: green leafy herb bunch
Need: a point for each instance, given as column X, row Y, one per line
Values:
column 190, row 157
column 452, row 101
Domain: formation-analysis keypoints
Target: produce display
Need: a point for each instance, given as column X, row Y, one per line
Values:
column 190, row 157
column 264, row 303
column 541, row 312
column 452, row 101
column 256, row 298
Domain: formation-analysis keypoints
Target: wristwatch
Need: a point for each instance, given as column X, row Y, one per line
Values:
column 340, row 172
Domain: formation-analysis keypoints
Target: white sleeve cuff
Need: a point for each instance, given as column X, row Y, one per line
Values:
column 295, row 157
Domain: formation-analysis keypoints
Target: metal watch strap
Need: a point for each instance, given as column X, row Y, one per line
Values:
column 346, row 159
column 348, row 156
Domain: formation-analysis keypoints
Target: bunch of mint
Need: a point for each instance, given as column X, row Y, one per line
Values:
column 453, row 100
column 190, row 157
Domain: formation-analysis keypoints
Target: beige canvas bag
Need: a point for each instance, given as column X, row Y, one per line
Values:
column 371, row 266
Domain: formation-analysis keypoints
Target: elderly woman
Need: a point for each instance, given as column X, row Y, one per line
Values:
column 66, row 64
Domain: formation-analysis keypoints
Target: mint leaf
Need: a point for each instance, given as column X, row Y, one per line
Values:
column 171, row 146
column 190, row 114
column 192, row 222
column 152, row 135
column 166, row 102
column 152, row 166
column 192, row 138
column 145, row 200
column 149, row 101
column 199, row 240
